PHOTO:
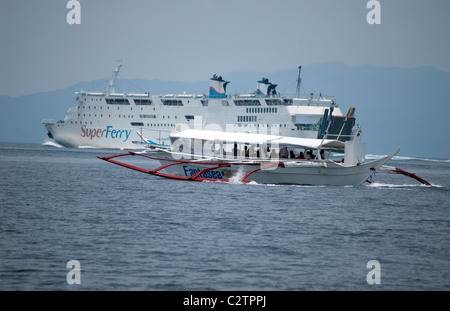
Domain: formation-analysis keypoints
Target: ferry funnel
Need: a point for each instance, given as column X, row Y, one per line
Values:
column 217, row 87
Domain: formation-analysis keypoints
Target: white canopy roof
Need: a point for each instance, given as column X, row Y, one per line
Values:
column 249, row 138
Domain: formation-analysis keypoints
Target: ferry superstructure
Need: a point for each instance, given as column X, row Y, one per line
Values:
column 127, row 120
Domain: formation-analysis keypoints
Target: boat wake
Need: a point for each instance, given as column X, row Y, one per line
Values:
column 51, row 143
column 397, row 186
column 88, row 147
column 405, row 158
column 237, row 179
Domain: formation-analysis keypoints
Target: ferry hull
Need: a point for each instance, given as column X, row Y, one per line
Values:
column 105, row 137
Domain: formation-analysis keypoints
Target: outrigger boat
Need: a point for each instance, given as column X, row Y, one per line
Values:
column 200, row 155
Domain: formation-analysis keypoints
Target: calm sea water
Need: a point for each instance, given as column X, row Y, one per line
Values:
column 130, row 231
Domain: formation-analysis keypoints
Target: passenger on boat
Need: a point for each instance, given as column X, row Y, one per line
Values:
column 310, row 155
column 273, row 154
column 235, row 150
column 291, row 154
column 301, row 155
column 284, row 153
column 322, row 156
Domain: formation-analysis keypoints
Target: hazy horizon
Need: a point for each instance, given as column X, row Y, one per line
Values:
column 189, row 40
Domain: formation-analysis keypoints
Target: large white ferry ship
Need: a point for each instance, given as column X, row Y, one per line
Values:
column 127, row 120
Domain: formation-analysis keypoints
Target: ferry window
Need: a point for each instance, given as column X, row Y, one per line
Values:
column 143, row 102
column 117, row 101
column 172, row 102
column 247, row 102
column 273, row 102
column 137, row 123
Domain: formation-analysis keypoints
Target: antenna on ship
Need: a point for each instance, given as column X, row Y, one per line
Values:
column 299, row 81
column 112, row 83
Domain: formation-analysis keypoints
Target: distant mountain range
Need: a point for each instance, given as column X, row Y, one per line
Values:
column 395, row 106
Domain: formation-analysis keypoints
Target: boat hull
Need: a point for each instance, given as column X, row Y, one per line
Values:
column 302, row 172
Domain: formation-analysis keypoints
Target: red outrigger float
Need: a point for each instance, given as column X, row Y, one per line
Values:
column 396, row 170
column 195, row 177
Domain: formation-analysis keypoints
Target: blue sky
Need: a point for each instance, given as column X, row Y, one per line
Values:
column 191, row 40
